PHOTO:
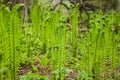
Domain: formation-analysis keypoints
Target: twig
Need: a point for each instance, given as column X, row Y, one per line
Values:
column 82, row 8
column 83, row 21
column 61, row 3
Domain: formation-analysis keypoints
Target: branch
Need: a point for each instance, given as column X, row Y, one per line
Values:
column 82, row 8
column 61, row 3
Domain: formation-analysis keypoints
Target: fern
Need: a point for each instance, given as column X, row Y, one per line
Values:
column 74, row 28
column 100, row 47
column 10, row 41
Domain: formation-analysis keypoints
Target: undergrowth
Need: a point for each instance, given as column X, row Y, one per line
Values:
column 58, row 44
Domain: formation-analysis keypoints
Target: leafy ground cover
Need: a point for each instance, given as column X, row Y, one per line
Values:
column 51, row 46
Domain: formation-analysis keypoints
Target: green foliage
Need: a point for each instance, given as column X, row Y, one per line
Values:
column 74, row 28
column 33, row 76
column 64, row 73
column 62, row 48
column 10, row 33
column 50, row 28
column 100, row 46
column 83, row 75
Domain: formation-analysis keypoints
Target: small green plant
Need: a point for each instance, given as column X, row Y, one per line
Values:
column 74, row 29
column 30, row 75
column 64, row 73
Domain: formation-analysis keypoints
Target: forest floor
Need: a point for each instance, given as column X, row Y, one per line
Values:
column 23, row 70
